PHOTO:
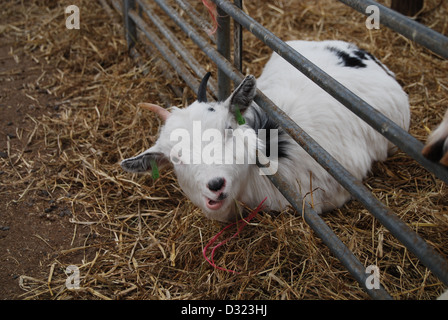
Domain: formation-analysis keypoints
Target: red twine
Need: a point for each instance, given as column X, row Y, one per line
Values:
column 211, row 7
column 212, row 241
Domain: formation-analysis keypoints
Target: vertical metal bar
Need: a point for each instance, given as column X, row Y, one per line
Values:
column 223, row 44
column 238, row 41
column 130, row 30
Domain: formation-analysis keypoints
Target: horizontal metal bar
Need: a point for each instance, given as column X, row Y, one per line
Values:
column 323, row 231
column 362, row 109
column 195, row 17
column 107, row 8
column 178, row 46
column 411, row 29
column 189, row 79
column 118, row 6
column 397, row 227
column 161, row 65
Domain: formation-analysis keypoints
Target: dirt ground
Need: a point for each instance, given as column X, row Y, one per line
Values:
column 34, row 226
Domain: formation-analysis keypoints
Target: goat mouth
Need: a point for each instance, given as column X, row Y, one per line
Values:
column 215, row 204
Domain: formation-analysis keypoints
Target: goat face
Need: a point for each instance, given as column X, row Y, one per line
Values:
column 436, row 148
column 199, row 142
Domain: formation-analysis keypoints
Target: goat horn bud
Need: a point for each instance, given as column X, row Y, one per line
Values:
column 202, row 91
column 161, row 112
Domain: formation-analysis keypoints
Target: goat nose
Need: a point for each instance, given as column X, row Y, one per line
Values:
column 216, row 184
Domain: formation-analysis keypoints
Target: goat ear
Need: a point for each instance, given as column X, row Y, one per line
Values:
column 436, row 149
column 143, row 162
column 243, row 95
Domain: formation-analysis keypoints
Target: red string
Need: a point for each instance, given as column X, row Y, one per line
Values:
column 212, row 241
column 211, row 7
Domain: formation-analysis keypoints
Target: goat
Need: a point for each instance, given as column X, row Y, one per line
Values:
column 436, row 148
column 218, row 187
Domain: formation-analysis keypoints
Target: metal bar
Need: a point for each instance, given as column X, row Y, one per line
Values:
column 398, row 228
column 129, row 26
column 160, row 64
column 323, row 231
column 238, row 41
column 195, row 17
column 189, row 79
column 362, row 109
column 412, row 30
column 223, row 45
column 177, row 45
column 107, row 8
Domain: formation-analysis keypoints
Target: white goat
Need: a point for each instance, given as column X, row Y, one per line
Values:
column 436, row 147
column 215, row 187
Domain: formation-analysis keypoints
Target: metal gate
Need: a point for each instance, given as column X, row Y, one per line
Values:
column 133, row 11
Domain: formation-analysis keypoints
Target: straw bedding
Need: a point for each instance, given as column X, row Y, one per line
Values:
column 146, row 238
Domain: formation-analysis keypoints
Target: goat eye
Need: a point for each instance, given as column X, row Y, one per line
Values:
column 211, row 109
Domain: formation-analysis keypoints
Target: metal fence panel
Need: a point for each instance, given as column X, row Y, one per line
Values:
column 398, row 136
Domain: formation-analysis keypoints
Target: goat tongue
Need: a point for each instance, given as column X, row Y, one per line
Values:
column 214, row 205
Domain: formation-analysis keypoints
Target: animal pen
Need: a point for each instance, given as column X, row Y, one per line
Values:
column 137, row 14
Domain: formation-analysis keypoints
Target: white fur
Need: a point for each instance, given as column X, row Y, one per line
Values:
column 441, row 132
column 346, row 137
column 436, row 147
column 443, row 296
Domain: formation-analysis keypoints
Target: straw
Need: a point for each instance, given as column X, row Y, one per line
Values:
column 144, row 240
column 243, row 223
